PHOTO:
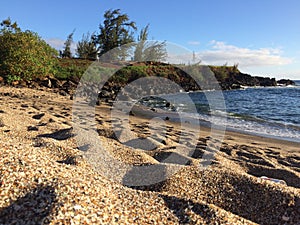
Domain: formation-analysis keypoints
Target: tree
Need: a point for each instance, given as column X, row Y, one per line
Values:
column 155, row 51
column 116, row 31
column 24, row 55
column 66, row 53
column 149, row 50
column 86, row 48
column 142, row 38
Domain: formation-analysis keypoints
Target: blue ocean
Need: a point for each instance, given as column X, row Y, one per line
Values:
column 264, row 111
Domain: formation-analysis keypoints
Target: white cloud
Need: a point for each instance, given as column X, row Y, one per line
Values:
column 194, row 43
column 222, row 53
column 59, row 44
column 56, row 43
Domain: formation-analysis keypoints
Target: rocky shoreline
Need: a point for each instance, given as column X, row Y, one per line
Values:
column 224, row 78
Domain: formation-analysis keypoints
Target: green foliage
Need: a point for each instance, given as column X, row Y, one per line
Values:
column 225, row 71
column 130, row 73
column 155, row 51
column 115, row 32
column 235, row 68
column 195, row 70
column 71, row 69
column 12, row 78
column 149, row 50
column 24, row 55
column 86, row 48
column 139, row 48
column 98, row 73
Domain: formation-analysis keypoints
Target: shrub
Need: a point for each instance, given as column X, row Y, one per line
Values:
column 71, row 69
column 129, row 74
column 24, row 55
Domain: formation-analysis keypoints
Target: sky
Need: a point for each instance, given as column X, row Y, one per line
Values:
column 261, row 36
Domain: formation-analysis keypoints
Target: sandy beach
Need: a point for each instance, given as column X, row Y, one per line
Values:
column 45, row 177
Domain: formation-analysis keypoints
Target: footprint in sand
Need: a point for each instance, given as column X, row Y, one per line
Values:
column 38, row 116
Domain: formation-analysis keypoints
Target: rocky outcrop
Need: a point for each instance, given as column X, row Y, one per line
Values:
column 226, row 77
column 238, row 80
column 286, row 82
column 266, row 81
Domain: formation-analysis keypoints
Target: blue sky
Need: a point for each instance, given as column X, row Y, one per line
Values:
column 262, row 36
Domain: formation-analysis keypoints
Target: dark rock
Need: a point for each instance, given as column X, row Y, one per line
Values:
column 70, row 160
column 46, row 82
column 63, row 93
column 266, row 81
column 69, row 86
column 246, row 80
column 50, row 82
column 286, row 82
column 55, row 83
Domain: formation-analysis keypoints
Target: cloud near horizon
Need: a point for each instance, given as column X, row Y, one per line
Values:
column 221, row 53
column 58, row 44
column 193, row 43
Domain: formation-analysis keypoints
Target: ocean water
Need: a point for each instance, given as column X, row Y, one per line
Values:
column 264, row 111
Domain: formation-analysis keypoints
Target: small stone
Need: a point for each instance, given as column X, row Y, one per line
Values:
column 285, row 218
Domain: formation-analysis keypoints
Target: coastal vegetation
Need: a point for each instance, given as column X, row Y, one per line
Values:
column 26, row 57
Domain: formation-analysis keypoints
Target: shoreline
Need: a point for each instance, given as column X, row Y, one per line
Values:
column 146, row 112
column 257, row 125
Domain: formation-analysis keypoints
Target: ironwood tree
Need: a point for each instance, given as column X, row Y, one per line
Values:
column 86, row 48
column 116, row 30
